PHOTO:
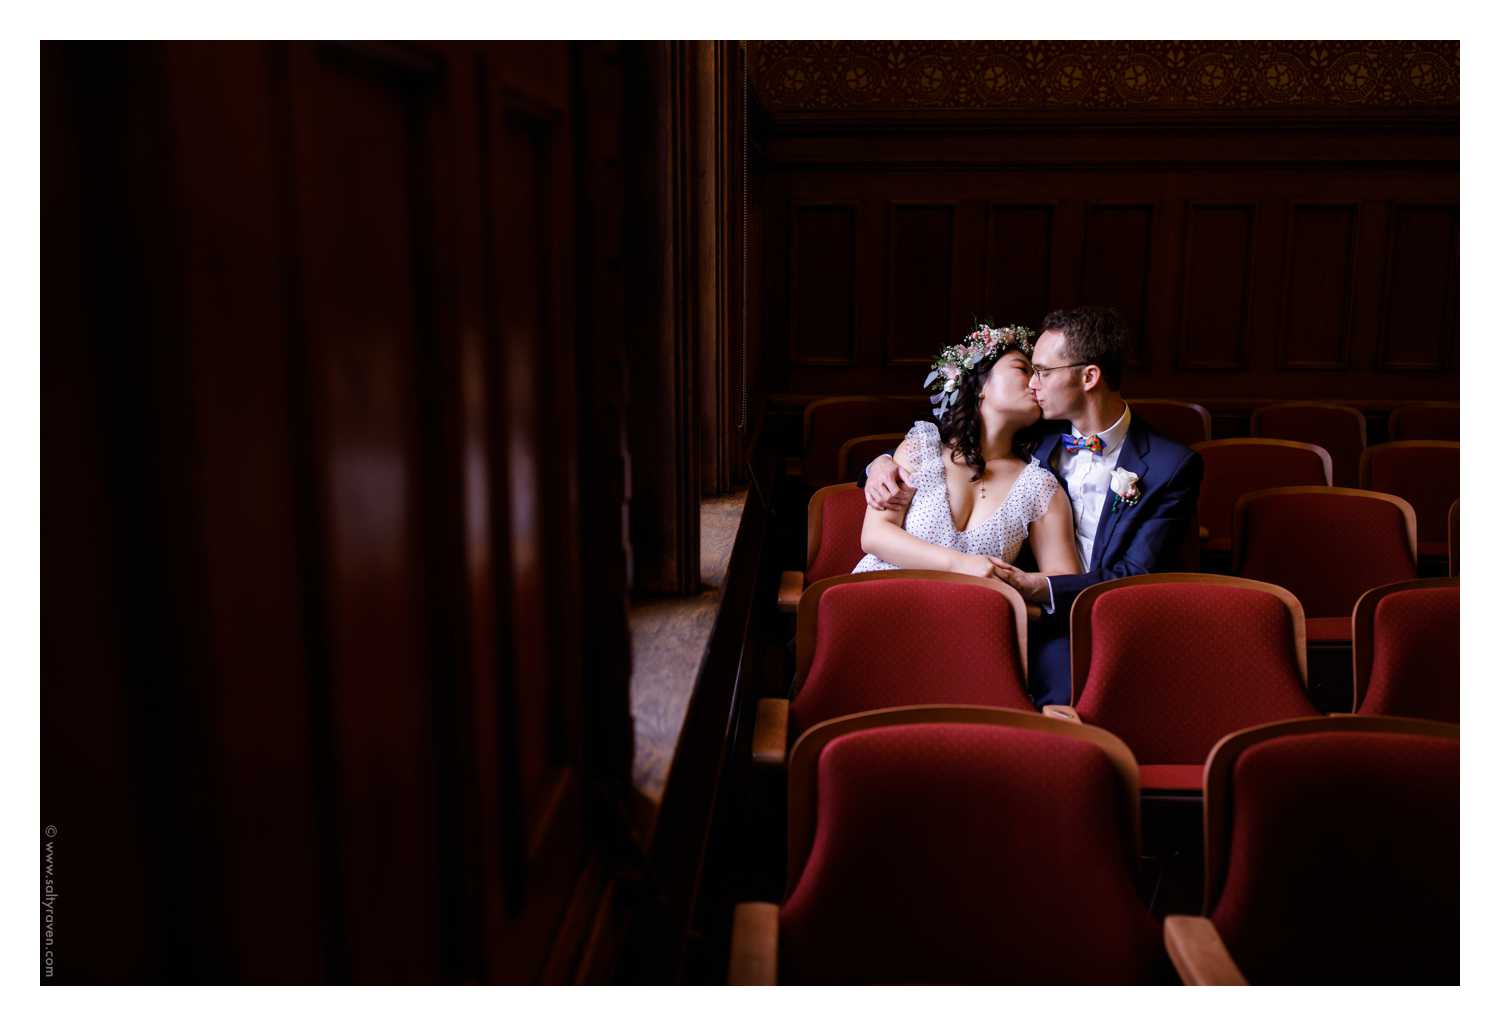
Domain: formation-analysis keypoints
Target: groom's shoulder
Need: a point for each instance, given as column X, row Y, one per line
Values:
column 1169, row 450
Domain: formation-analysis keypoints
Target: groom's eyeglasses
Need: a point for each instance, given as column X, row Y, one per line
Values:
column 1040, row 373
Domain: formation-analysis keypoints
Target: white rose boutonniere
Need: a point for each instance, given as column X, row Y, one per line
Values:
column 1126, row 486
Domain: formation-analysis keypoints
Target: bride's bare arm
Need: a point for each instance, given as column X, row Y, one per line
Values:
column 885, row 536
column 1052, row 541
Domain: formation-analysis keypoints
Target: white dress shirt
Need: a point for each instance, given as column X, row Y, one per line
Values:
column 1086, row 475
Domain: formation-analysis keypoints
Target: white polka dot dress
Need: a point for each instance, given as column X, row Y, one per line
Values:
column 930, row 519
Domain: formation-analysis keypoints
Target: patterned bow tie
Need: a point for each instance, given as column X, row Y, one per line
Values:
column 1093, row 443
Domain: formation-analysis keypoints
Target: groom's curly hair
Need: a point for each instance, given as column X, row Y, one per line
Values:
column 1095, row 334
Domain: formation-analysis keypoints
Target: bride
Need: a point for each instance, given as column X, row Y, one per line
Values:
column 976, row 499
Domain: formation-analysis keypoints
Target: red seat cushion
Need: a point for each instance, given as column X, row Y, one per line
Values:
column 1343, row 860
column 1172, row 777
column 1415, row 667
column 1175, row 667
column 1330, row 629
column 967, row 853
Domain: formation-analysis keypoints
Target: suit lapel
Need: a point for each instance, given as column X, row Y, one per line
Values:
column 1133, row 458
column 1046, row 455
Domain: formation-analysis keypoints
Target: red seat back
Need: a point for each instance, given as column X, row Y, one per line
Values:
column 1453, row 539
column 973, row 853
column 1338, row 429
column 835, row 518
column 1333, row 851
column 828, row 423
column 1406, row 650
column 1184, row 423
column 1431, row 422
column 906, row 637
column 1234, row 466
column 1425, row 474
column 1327, row 546
column 855, row 454
column 1172, row 662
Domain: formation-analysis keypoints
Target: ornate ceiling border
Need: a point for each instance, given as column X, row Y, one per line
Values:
column 857, row 77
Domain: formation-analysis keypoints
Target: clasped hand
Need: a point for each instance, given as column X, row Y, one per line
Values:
column 1033, row 587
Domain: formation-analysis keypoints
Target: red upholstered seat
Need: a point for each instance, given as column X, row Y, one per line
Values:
column 855, row 454
column 1327, row 546
column 1329, row 630
column 828, row 423
column 1425, row 474
column 1424, row 422
column 1332, row 851
column 1184, row 423
column 1338, row 429
column 835, row 518
column 965, row 853
column 1172, row 662
column 870, row 645
column 1406, row 650
column 1172, row 777
column 1234, row 466
column 1453, row 539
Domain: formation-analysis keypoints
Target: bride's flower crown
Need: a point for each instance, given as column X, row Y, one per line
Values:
column 949, row 366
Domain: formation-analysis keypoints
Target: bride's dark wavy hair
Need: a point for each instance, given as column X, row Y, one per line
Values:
column 963, row 427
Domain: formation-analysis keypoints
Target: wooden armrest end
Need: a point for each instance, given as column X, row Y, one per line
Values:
column 1061, row 712
column 768, row 748
column 1199, row 954
column 1033, row 612
column 752, row 946
column 790, row 592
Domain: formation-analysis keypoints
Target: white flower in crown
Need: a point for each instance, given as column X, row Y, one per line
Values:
column 1126, row 486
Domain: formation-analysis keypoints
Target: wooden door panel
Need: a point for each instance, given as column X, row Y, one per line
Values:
column 361, row 157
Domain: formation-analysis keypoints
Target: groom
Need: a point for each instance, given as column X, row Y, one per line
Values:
column 1133, row 492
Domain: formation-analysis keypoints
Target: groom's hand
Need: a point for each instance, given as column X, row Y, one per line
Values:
column 1033, row 587
column 887, row 486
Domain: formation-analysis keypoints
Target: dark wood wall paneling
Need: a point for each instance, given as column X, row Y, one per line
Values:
column 1298, row 251
column 313, row 709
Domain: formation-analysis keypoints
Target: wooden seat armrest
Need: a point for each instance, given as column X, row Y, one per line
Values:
column 1033, row 612
column 1061, row 712
column 790, row 592
column 752, row 947
column 1199, row 954
column 768, row 748
column 1203, row 534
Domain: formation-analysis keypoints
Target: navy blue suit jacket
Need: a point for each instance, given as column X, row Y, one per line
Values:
column 1139, row 539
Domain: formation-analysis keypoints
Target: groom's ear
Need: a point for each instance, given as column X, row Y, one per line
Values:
column 1092, row 376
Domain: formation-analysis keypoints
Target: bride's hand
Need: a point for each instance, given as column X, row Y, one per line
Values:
column 974, row 566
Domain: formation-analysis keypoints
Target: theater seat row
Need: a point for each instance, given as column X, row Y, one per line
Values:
column 964, row 845
column 1176, row 667
column 1169, row 663
column 841, row 434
